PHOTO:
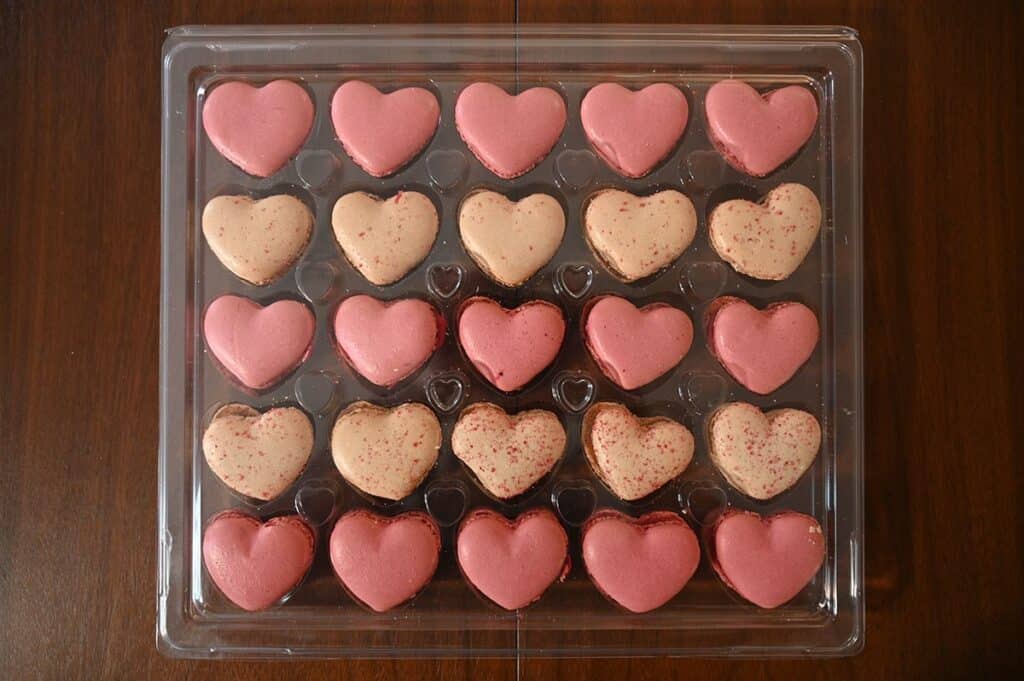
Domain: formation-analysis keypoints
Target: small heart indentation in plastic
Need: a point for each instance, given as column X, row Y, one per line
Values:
column 317, row 391
column 704, row 169
column 446, row 501
column 444, row 280
column 446, row 392
column 573, row 390
column 574, row 280
column 446, row 168
column 316, row 280
column 315, row 502
column 703, row 501
column 704, row 390
column 574, row 500
column 576, row 168
column 704, row 280
column 316, row 167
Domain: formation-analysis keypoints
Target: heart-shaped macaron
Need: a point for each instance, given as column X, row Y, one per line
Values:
column 384, row 561
column 636, row 236
column 640, row 563
column 258, row 128
column 257, row 240
column 510, row 240
column 767, row 240
column 387, row 341
column 634, row 130
column 762, row 455
column 512, row 562
column 385, row 238
column 768, row 560
column 386, row 452
column 257, row 564
column 255, row 344
column 761, row 349
column 508, row 454
column 382, row 132
column 757, row 134
column 510, row 134
column 634, row 456
column 510, row 347
column 635, row 346
column 258, row 455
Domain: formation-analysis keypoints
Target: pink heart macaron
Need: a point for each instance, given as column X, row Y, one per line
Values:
column 512, row 562
column 635, row 346
column 762, row 349
column 758, row 134
column 258, row 345
column 383, row 132
column 639, row 563
column 258, row 128
column 510, row 134
column 633, row 131
column 256, row 564
column 767, row 561
column 384, row 561
column 387, row 341
column 510, row 347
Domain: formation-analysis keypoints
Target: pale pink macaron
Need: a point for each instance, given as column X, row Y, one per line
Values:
column 258, row 345
column 258, row 128
column 387, row 341
column 634, row 130
column 512, row 562
column 384, row 561
column 509, row 134
column 758, row 134
column 256, row 564
column 510, row 347
column 762, row 349
column 639, row 563
column 383, row 132
column 769, row 560
column 635, row 346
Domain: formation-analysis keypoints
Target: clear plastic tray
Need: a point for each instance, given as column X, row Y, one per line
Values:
column 448, row 619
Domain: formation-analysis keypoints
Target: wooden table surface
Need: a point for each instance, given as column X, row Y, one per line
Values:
column 79, row 268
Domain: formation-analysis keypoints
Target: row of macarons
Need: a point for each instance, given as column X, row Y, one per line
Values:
column 634, row 237
column 260, row 128
column 387, row 342
column 639, row 564
column 386, row 453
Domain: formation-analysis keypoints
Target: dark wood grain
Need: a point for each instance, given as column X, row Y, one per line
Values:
column 79, row 268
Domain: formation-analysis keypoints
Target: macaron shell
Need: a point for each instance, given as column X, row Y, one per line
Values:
column 384, row 561
column 758, row 134
column 257, row 240
column 258, row 455
column 387, row 341
column 258, row 128
column 634, row 131
column 255, row 344
column 641, row 563
column 510, row 347
column 637, row 236
column 767, row 240
column 508, row 454
column 634, row 456
column 511, row 240
column 635, row 346
column 385, row 239
column 767, row 561
column 762, row 455
column 762, row 349
column 383, row 132
column 386, row 452
column 512, row 562
column 257, row 564
column 509, row 134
